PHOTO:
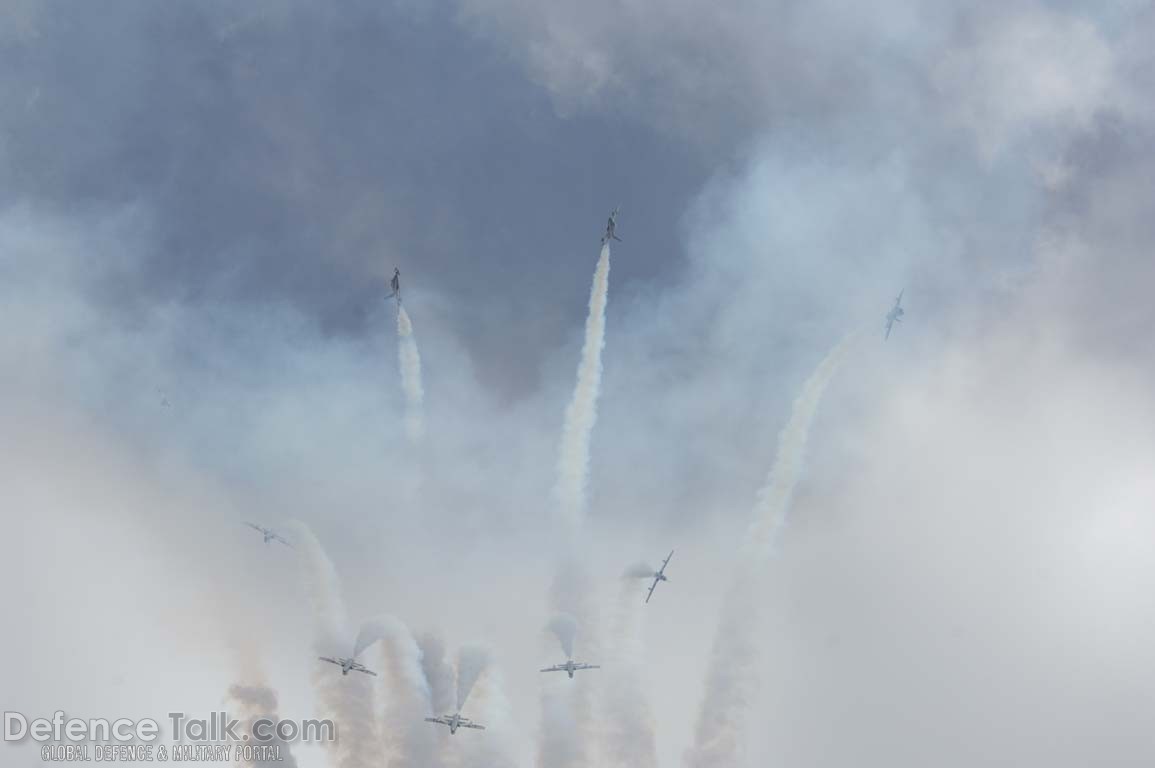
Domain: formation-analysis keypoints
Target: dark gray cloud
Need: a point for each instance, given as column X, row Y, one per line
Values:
column 297, row 152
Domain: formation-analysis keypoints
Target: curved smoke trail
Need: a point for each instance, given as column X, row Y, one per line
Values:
column 410, row 361
column 412, row 743
column 347, row 700
column 564, row 627
column 582, row 412
column 471, row 662
column 721, row 722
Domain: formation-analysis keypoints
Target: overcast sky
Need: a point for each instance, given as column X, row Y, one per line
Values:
column 201, row 204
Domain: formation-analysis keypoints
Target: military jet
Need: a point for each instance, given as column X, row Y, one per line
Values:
column 570, row 667
column 610, row 226
column 395, row 284
column 454, row 722
column 659, row 575
column 895, row 314
column 348, row 665
column 270, row 535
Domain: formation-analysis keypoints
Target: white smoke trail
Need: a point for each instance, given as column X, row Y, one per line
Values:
column 347, row 700
column 438, row 673
column 564, row 627
column 567, row 705
column 721, row 722
column 489, row 706
column 567, row 711
column 628, row 739
column 471, row 662
column 582, row 412
column 412, row 743
column 410, row 361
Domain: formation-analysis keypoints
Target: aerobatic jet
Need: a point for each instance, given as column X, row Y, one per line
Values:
column 348, row 665
column 395, row 285
column 270, row 535
column 895, row 314
column 454, row 722
column 659, row 575
column 570, row 667
column 610, row 227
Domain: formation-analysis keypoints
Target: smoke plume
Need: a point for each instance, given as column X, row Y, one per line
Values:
column 411, row 742
column 438, row 672
column 564, row 627
column 582, row 412
column 410, row 361
column 471, row 662
column 628, row 739
column 721, row 722
column 346, row 699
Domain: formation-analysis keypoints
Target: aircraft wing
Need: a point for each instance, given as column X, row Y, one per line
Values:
column 363, row 668
column 283, row 540
column 652, row 588
column 666, row 561
column 255, row 527
column 440, row 720
column 331, row 661
column 555, row 668
column 889, row 325
column 471, row 725
column 586, row 666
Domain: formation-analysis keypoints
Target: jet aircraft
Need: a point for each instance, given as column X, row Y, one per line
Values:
column 659, row 575
column 395, row 284
column 895, row 314
column 270, row 535
column 570, row 667
column 611, row 225
column 454, row 722
column 348, row 665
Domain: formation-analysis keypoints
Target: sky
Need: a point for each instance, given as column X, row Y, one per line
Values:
column 201, row 205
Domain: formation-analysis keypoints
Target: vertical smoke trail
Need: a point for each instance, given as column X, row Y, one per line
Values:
column 566, row 712
column 347, row 700
column 412, row 741
column 721, row 721
column 628, row 736
column 410, row 361
column 582, row 412
column 567, row 705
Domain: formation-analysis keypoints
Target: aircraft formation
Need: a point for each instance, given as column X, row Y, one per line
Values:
column 455, row 720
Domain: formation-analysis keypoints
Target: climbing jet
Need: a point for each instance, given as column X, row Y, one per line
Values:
column 269, row 535
column 395, row 284
column 895, row 314
column 570, row 667
column 610, row 226
column 659, row 575
column 348, row 665
column 454, row 722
